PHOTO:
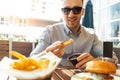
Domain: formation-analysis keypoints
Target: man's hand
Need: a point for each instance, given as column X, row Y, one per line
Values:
column 82, row 59
column 57, row 48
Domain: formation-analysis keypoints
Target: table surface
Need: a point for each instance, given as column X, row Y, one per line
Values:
column 65, row 73
column 60, row 73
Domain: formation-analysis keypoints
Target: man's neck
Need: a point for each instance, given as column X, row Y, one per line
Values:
column 75, row 30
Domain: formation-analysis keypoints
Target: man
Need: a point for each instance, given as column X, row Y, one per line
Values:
column 85, row 42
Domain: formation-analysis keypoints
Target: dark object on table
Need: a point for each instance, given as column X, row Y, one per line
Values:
column 73, row 58
column 107, row 49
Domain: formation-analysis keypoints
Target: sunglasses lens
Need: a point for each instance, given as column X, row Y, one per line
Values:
column 66, row 11
column 77, row 10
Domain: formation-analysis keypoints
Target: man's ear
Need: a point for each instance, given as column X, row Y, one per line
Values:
column 83, row 11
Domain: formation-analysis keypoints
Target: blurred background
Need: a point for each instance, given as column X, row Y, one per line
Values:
column 25, row 20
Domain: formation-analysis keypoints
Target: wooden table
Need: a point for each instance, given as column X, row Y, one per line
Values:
column 60, row 73
column 65, row 73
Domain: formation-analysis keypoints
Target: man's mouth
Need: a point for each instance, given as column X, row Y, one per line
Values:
column 71, row 20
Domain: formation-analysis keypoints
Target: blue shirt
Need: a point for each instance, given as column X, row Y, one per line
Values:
column 85, row 40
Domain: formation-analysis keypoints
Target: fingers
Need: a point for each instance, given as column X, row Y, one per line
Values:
column 82, row 59
column 54, row 46
column 83, row 56
column 59, row 52
column 57, row 48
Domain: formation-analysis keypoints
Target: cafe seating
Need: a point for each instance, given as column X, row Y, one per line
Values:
column 117, row 51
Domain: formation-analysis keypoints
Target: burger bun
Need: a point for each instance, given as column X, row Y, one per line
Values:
column 100, row 66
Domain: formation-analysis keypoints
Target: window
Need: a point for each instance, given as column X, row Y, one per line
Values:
column 14, row 15
column 108, row 22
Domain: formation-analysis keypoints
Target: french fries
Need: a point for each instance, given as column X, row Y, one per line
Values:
column 70, row 41
column 27, row 63
column 17, row 54
column 30, row 64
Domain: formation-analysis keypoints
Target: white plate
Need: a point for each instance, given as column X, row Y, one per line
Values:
column 28, row 75
column 79, row 75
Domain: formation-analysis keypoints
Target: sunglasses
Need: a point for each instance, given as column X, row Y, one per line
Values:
column 76, row 10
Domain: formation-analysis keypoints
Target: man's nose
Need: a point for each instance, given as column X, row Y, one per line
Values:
column 71, row 14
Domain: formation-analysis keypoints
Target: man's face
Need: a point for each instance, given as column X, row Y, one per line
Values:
column 72, row 17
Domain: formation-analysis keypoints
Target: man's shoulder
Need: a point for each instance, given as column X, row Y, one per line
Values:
column 56, row 25
column 88, row 30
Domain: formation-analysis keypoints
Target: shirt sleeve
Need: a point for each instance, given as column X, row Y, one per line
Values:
column 97, row 49
column 44, row 42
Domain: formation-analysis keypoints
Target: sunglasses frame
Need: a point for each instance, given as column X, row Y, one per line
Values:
column 76, row 10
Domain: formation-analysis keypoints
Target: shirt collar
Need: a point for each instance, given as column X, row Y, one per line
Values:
column 68, row 31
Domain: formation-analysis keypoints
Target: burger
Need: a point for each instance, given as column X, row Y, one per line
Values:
column 97, row 70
